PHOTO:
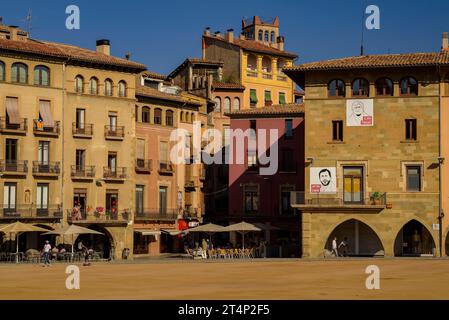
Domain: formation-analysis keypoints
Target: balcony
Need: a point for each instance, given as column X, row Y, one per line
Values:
column 114, row 174
column 165, row 167
column 82, row 130
column 114, row 132
column 14, row 168
column 267, row 75
column 144, row 166
column 46, row 169
column 251, row 73
column 9, row 128
column 156, row 215
column 99, row 215
column 82, row 172
column 281, row 77
column 190, row 213
column 26, row 211
column 40, row 130
column 339, row 202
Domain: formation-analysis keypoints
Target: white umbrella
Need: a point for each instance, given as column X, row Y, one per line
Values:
column 18, row 228
column 242, row 228
column 73, row 230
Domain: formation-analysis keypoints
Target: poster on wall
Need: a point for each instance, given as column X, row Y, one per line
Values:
column 359, row 113
column 323, row 180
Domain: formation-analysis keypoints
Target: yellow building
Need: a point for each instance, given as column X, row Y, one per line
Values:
column 255, row 60
column 66, row 122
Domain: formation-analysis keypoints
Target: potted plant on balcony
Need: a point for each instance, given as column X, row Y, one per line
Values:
column 375, row 198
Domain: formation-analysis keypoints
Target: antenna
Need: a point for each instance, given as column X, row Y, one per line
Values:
column 363, row 33
column 28, row 20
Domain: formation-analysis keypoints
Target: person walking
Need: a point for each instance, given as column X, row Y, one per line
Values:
column 47, row 252
column 204, row 247
column 335, row 247
column 344, row 244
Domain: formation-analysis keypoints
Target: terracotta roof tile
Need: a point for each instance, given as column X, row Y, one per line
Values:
column 154, row 93
column 224, row 85
column 64, row 51
column 274, row 110
column 255, row 46
column 376, row 61
column 154, row 75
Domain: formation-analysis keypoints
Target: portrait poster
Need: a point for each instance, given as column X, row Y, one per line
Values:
column 359, row 113
column 323, row 180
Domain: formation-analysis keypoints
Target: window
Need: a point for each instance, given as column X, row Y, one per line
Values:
column 266, row 65
column 236, row 104
column 227, row 105
column 384, row 87
column 79, row 84
column 360, row 88
column 93, row 86
column 169, row 118
column 108, row 87
column 252, row 97
column 352, row 184
column 260, row 35
column 217, row 101
column 80, row 118
column 112, row 203
column 43, row 153
column 122, row 89
column 112, row 122
column 282, row 98
column 272, row 37
column 181, row 117
column 288, row 128
column 413, row 178
column 251, row 197
column 286, row 208
column 42, row 199
column 163, row 151
column 140, row 154
column 157, row 116
column 163, row 200
column 139, row 199
column 336, row 88
column 337, row 130
column 252, row 63
column 267, row 36
column 80, row 159
column 9, row 197
column 2, row 71
column 19, row 73
column 41, row 76
column 410, row 129
column 268, row 98
column 11, row 152
column 288, row 163
column 112, row 162
column 145, row 114
column 136, row 113
column 409, row 86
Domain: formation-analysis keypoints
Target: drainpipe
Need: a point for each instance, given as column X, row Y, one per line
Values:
column 440, row 163
column 63, row 139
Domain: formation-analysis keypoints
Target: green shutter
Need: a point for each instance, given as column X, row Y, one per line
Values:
column 268, row 96
column 281, row 98
column 253, row 96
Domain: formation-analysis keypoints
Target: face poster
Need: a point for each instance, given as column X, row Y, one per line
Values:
column 323, row 180
column 359, row 113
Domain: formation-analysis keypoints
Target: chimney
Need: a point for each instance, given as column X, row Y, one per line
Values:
column 445, row 41
column 280, row 41
column 230, row 35
column 218, row 34
column 104, row 46
column 207, row 31
column 13, row 32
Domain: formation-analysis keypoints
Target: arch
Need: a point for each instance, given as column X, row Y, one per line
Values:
column 2, row 71
column 272, row 37
column 19, row 72
column 236, row 104
column 181, row 116
column 267, row 36
column 103, row 243
column 41, row 76
column 122, row 88
column 79, row 84
column 360, row 87
column 145, row 114
column 169, row 118
column 414, row 239
column 108, row 87
column 260, row 35
column 226, row 104
column 93, row 86
column 384, row 87
column 157, row 116
column 408, row 86
column 251, row 63
column 280, row 65
column 266, row 64
column 362, row 239
column 336, row 88
column 217, row 101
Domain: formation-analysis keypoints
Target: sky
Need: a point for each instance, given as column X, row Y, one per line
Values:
column 162, row 34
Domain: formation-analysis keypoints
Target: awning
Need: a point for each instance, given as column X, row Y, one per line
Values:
column 253, row 96
column 45, row 112
column 172, row 232
column 148, row 232
column 12, row 108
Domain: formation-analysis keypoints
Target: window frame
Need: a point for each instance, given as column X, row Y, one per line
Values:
column 40, row 69
column 111, row 92
column 157, row 114
column 25, row 68
column 360, row 80
column 384, row 90
column 81, row 88
column 337, row 130
column 419, row 175
column 93, row 80
column 409, row 91
column 337, row 91
column 167, row 117
column 411, row 129
column 122, row 93
column 146, row 114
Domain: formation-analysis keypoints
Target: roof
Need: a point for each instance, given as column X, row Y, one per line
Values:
column 254, row 46
column 376, row 61
column 154, row 75
column 65, row 51
column 299, row 92
column 187, row 61
column 274, row 110
column 230, row 86
column 156, row 94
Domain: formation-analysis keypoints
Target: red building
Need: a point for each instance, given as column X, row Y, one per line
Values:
column 265, row 199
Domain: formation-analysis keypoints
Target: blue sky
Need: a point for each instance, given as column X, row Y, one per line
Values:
column 162, row 34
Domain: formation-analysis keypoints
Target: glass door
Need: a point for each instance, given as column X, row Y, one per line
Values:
column 43, row 157
column 11, row 154
column 112, row 205
column 139, row 200
column 42, row 199
column 162, row 200
column 353, row 184
column 9, row 198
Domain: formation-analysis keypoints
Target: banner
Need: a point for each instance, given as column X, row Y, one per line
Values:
column 359, row 113
column 323, row 180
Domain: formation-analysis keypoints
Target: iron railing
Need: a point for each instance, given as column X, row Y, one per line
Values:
column 39, row 128
column 155, row 214
column 338, row 198
column 165, row 166
column 114, row 173
column 19, row 127
column 14, row 166
column 144, row 165
column 114, row 131
column 82, row 129
column 46, row 167
column 82, row 171
column 27, row 211
column 111, row 215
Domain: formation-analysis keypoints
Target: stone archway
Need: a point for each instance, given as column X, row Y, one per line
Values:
column 361, row 239
column 414, row 239
column 103, row 243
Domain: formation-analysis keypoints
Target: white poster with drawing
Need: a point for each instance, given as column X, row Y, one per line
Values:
column 359, row 113
column 323, row 180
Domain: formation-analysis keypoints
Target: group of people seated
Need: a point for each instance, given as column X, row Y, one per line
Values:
column 207, row 251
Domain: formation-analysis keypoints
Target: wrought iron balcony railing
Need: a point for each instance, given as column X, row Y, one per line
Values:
column 14, row 166
column 27, row 211
column 338, row 199
column 144, row 214
column 40, row 129
column 20, row 127
column 82, row 129
column 114, row 132
column 40, row 167
column 144, row 165
column 114, row 173
column 82, row 171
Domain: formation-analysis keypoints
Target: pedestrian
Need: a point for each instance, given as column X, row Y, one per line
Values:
column 344, row 245
column 47, row 252
column 334, row 247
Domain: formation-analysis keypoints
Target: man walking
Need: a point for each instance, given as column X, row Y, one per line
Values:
column 334, row 247
column 47, row 250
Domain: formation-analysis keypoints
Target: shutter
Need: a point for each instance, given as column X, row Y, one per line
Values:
column 140, row 149
column 12, row 109
column 253, row 96
column 45, row 112
column 281, row 98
